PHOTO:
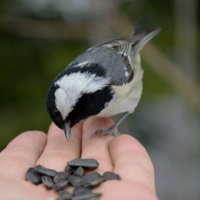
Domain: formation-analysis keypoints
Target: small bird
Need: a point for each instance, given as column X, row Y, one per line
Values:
column 103, row 81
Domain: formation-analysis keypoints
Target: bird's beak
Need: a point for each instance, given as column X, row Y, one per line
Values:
column 67, row 130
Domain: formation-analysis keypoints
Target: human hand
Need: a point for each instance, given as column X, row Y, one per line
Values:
column 122, row 154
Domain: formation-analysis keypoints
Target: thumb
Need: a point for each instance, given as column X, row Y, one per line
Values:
column 132, row 161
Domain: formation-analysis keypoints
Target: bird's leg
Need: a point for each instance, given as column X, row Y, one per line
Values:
column 113, row 129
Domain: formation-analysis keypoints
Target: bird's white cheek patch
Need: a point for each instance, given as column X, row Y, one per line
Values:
column 61, row 99
column 72, row 86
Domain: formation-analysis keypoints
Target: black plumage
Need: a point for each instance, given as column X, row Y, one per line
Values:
column 88, row 104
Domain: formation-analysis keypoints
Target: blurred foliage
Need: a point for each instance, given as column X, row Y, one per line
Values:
column 28, row 67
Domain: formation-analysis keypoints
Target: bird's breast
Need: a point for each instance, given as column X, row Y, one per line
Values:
column 126, row 97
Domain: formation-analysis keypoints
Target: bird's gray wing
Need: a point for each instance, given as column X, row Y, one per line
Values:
column 114, row 56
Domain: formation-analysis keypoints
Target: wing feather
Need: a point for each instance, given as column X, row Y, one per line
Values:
column 114, row 56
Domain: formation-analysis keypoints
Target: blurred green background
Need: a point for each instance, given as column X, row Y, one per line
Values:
column 38, row 38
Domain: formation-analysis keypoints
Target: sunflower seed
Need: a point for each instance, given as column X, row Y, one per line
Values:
column 88, row 163
column 81, row 190
column 73, row 175
column 74, row 180
column 79, row 171
column 61, row 184
column 91, row 179
column 60, row 176
column 48, row 181
column 88, row 196
column 111, row 176
column 45, row 171
column 33, row 176
column 64, row 195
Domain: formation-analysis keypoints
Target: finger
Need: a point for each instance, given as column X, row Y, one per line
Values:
column 21, row 190
column 21, row 153
column 131, row 161
column 125, row 190
column 96, row 146
column 58, row 150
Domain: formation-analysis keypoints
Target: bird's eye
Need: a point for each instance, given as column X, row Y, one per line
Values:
column 56, row 112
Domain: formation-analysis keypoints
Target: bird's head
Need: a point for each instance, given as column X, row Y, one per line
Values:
column 76, row 94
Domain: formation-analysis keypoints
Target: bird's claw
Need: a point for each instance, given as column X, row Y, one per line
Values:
column 110, row 131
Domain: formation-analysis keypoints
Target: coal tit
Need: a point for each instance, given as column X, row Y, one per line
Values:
column 105, row 80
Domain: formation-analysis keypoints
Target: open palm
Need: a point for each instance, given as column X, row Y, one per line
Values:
column 122, row 154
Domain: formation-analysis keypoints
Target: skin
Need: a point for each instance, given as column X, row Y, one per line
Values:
column 122, row 154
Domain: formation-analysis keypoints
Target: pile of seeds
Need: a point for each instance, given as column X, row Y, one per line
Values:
column 76, row 175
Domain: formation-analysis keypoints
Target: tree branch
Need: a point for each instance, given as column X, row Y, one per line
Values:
column 172, row 74
column 36, row 29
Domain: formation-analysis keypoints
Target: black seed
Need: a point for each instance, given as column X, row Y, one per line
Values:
column 74, row 180
column 111, row 176
column 64, row 195
column 91, row 179
column 74, row 176
column 79, row 171
column 61, row 184
column 47, row 181
column 88, row 163
column 81, row 190
column 88, row 196
column 33, row 176
column 60, row 176
column 45, row 171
